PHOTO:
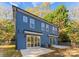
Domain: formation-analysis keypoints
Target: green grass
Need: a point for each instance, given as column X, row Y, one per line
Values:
column 10, row 52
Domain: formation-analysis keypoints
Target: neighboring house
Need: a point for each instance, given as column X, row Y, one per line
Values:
column 33, row 31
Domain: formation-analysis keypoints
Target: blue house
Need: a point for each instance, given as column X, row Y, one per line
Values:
column 33, row 31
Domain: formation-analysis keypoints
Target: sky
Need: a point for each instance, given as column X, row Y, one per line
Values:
column 25, row 5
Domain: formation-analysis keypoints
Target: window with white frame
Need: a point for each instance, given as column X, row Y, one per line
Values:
column 32, row 23
column 47, row 27
column 25, row 19
column 43, row 26
column 54, row 28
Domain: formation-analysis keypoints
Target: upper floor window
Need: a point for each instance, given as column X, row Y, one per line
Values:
column 43, row 26
column 25, row 19
column 54, row 28
column 47, row 27
column 32, row 23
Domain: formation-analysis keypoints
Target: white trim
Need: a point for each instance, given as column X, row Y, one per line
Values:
column 28, row 32
column 55, row 36
column 50, row 35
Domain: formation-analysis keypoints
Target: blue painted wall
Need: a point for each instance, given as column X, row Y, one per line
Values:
column 22, row 26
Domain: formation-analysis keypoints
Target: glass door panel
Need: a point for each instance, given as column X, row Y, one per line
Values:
column 35, row 41
column 51, row 40
column 38, row 40
column 32, row 38
column 28, row 41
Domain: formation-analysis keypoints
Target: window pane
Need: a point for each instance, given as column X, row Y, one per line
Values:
column 47, row 27
column 32, row 23
column 43, row 26
column 25, row 19
column 55, row 29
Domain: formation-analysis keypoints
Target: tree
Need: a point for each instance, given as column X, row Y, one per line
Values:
column 73, row 31
column 6, row 31
column 40, row 10
column 59, row 17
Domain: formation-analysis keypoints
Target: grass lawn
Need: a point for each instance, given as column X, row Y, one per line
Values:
column 9, row 52
column 70, row 52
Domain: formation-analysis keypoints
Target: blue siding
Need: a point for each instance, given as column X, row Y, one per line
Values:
column 22, row 26
column 19, row 32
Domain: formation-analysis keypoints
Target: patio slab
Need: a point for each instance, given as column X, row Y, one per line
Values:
column 60, row 46
column 35, row 51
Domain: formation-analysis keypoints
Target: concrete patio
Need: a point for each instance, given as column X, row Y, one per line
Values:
column 60, row 46
column 35, row 51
